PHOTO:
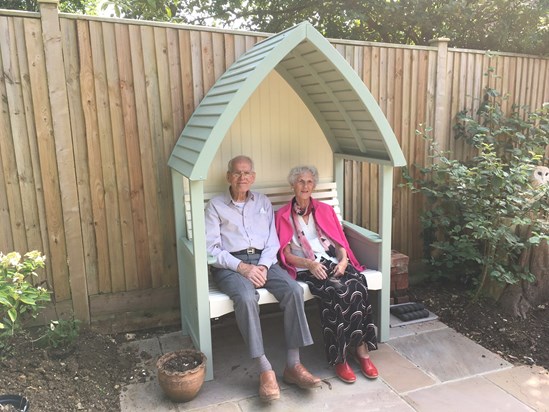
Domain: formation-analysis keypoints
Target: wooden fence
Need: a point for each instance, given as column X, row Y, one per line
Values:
column 91, row 109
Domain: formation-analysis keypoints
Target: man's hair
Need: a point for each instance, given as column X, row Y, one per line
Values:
column 237, row 159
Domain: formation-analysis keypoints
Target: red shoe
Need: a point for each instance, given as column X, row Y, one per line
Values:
column 345, row 373
column 367, row 367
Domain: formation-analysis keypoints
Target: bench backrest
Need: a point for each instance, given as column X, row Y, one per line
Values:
column 279, row 196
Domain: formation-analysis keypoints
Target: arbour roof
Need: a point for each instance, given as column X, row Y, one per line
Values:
column 352, row 121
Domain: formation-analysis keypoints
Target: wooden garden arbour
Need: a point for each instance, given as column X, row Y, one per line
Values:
column 349, row 117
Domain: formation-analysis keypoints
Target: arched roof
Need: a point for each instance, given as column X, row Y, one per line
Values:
column 342, row 105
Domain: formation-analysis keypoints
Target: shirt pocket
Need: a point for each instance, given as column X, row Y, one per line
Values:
column 260, row 224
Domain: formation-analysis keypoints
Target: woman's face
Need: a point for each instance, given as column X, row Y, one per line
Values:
column 304, row 186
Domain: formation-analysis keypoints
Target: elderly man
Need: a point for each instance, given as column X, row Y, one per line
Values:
column 241, row 235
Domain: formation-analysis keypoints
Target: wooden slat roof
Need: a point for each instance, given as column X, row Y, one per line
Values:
column 342, row 105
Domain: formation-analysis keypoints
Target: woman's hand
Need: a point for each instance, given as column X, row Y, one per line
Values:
column 340, row 268
column 317, row 270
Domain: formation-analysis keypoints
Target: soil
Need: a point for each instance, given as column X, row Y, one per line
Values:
column 88, row 376
column 92, row 374
column 519, row 341
column 182, row 363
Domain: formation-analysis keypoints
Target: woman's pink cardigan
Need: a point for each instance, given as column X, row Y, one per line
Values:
column 325, row 218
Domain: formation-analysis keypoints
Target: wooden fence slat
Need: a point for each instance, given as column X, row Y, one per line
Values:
column 56, row 247
column 98, row 282
column 27, row 152
column 72, row 69
column 16, row 126
column 106, row 150
column 176, row 95
column 366, row 178
column 402, row 119
column 186, row 74
column 121, row 170
column 535, row 87
column 6, row 237
column 196, row 64
column 146, row 90
column 142, row 279
column 166, row 144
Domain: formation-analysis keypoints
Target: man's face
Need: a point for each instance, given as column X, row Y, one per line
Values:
column 241, row 177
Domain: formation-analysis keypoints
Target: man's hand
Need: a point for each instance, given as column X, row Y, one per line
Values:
column 255, row 274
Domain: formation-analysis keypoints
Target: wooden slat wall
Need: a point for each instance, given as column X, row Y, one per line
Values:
column 130, row 88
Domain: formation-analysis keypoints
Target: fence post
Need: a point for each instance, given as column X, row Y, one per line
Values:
column 62, row 134
column 440, row 124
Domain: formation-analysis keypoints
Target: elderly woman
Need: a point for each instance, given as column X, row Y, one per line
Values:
column 314, row 249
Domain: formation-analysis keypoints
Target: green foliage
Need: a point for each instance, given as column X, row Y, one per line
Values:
column 61, row 333
column 511, row 136
column 67, row 6
column 474, row 207
column 19, row 297
column 503, row 25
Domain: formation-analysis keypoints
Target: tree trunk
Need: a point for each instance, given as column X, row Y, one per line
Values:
column 518, row 299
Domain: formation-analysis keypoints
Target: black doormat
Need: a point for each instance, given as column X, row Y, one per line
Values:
column 409, row 313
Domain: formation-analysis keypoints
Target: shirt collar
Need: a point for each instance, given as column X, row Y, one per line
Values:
column 228, row 199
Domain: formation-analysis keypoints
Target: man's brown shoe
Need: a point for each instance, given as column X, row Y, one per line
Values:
column 268, row 387
column 301, row 377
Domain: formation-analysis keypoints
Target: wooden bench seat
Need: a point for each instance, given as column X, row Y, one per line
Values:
column 364, row 243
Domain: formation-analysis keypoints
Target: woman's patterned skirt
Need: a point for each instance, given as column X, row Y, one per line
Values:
column 345, row 311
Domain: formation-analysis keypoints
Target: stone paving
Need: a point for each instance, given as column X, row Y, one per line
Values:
column 423, row 367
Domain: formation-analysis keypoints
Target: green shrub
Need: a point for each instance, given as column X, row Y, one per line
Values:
column 19, row 297
column 474, row 207
column 61, row 333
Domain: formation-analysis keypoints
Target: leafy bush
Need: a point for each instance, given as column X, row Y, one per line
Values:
column 19, row 297
column 61, row 333
column 474, row 207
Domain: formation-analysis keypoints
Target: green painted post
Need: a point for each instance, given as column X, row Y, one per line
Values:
column 385, row 220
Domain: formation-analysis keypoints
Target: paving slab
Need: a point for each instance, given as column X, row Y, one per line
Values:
column 175, row 341
column 530, row 384
column 446, row 355
column 149, row 350
column 363, row 395
column 475, row 394
column 146, row 397
column 398, row 372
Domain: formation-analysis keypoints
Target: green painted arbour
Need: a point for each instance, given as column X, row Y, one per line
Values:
column 352, row 123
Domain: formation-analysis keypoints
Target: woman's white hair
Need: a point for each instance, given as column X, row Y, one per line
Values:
column 299, row 170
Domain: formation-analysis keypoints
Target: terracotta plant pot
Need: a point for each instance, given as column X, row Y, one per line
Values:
column 181, row 374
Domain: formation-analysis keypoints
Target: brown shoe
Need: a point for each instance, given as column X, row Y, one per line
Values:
column 301, row 377
column 268, row 387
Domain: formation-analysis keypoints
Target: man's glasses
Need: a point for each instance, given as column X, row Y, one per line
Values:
column 246, row 175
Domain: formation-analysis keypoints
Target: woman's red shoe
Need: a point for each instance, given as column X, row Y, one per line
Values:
column 367, row 367
column 345, row 373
